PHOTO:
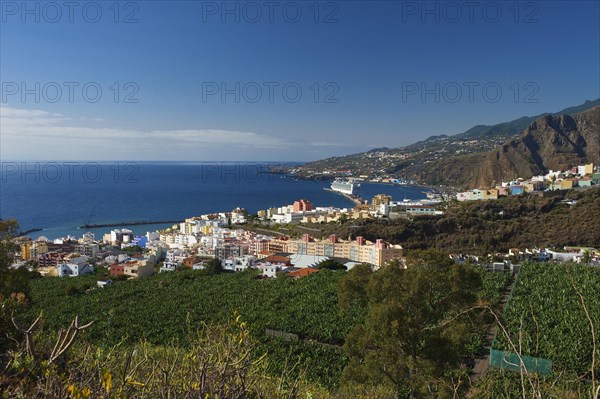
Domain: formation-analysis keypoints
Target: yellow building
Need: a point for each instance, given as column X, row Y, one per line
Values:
column 380, row 199
column 26, row 250
column 490, row 194
column 586, row 169
column 566, row 184
column 330, row 217
column 359, row 250
column 141, row 268
column 360, row 214
column 528, row 187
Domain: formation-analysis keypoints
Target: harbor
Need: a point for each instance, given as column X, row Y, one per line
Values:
column 347, row 188
column 354, row 198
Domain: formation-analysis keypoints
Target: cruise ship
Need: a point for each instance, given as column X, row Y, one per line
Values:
column 345, row 187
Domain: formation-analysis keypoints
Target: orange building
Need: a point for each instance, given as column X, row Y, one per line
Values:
column 302, row 205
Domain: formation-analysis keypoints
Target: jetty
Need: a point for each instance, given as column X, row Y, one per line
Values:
column 356, row 199
column 134, row 223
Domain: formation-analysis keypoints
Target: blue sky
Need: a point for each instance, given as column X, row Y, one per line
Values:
column 371, row 74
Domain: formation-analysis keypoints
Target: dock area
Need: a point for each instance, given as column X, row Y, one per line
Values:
column 357, row 200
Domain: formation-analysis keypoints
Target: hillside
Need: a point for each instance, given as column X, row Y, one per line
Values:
column 551, row 142
column 481, row 227
column 456, row 160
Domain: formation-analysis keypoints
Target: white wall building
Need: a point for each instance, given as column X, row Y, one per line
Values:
column 73, row 269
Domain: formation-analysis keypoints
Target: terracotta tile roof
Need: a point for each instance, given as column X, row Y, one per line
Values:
column 303, row 272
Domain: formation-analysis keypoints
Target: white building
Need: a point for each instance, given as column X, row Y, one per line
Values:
column 239, row 264
column 270, row 269
column 173, row 260
column 73, row 269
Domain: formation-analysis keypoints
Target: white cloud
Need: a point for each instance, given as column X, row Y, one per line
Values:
column 40, row 131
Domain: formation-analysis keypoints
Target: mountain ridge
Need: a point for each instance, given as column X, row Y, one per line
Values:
column 456, row 160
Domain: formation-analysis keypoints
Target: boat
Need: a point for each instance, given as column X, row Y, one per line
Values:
column 349, row 187
column 433, row 195
column 402, row 182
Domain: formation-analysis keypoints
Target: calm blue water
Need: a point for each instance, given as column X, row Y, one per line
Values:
column 58, row 197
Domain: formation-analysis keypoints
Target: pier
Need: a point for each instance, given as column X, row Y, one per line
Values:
column 134, row 223
column 357, row 200
column 25, row 232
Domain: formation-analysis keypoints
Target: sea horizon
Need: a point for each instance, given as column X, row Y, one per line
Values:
column 59, row 201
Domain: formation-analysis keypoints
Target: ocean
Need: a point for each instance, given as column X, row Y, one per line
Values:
column 58, row 197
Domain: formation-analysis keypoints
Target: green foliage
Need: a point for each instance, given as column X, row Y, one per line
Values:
column 493, row 284
column 503, row 384
column 214, row 266
column 331, row 264
column 218, row 363
column 15, row 303
column 155, row 308
column 8, row 229
column 16, row 280
column 136, row 249
column 12, row 280
column 352, row 288
column 411, row 334
column 546, row 318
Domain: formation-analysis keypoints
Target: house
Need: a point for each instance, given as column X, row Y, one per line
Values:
column 72, row 269
column 587, row 169
column 564, row 256
column 102, row 284
column 303, row 272
column 140, row 268
column 117, row 269
column 270, row 269
column 503, row 191
column 422, row 210
column 284, row 260
column 516, row 190
column 464, row 196
column 239, row 264
column 564, row 184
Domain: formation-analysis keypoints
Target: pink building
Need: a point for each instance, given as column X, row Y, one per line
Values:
column 302, row 206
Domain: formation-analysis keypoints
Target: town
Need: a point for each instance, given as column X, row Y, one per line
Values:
column 238, row 241
column 580, row 176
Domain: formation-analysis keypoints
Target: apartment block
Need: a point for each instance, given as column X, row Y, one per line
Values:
column 359, row 250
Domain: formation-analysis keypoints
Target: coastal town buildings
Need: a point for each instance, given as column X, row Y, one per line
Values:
column 359, row 250
column 74, row 266
column 580, row 176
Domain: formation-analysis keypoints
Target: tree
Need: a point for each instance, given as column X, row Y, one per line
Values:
column 352, row 288
column 431, row 257
column 586, row 257
column 214, row 266
column 8, row 229
column 133, row 249
column 11, row 280
column 331, row 264
column 411, row 336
